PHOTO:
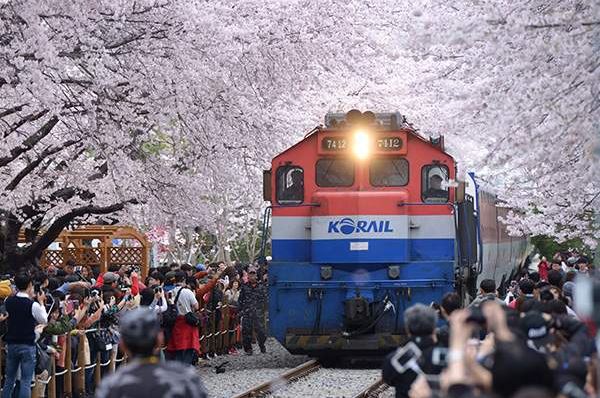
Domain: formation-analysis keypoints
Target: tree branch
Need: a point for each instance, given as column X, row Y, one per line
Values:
column 30, row 142
column 63, row 221
column 124, row 41
column 12, row 110
column 29, row 118
column 560, row 25
column 32, row 165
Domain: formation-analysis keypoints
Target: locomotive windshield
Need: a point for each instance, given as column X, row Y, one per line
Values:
column 432, row 177
column 290, row 185
column 335, row 172
column 388, row 172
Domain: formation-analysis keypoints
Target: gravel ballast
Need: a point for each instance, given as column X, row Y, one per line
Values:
column 330, row 383
column 243, row 372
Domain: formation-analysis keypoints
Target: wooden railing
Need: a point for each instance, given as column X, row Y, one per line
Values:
column 215, row 337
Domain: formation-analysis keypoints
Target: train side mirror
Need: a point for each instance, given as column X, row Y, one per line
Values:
column 267, row 189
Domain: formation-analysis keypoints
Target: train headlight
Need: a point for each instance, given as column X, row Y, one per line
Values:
column 361, row 144
column 326, row 272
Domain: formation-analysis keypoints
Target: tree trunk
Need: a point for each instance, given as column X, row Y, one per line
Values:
column 11, row 257
column 15, row 258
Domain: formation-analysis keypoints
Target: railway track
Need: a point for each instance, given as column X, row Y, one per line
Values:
column 374, row 390
column 291, row 376
column 288, row 377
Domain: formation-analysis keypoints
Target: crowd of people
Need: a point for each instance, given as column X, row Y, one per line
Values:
column 528, row 343
column 43, row 309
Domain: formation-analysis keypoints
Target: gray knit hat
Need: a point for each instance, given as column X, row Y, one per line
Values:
column 139, row 326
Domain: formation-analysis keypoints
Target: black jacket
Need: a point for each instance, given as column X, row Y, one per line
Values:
column 20, row 322
column 403, row 381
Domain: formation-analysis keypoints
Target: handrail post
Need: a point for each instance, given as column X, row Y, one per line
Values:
column 211, row 328
column 1, row 361
column 80, row 378
column 112, row 363
column 202, row 333
column 52, row 382
column 68, row 390
column 218, row 323
column 98, row 369
column 225, row 328
column 36, row 388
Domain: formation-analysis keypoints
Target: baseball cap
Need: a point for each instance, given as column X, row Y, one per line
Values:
column 568, row 288
column 139, row 326
column 200, row 267
column 169, row 276
column 110, row 277
column 536, row 330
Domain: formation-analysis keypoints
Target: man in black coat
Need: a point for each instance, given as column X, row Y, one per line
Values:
column 401, row 367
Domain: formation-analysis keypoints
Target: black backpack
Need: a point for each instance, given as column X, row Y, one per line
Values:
column 170, row 315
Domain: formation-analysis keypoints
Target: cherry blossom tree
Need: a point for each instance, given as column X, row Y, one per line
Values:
column 513, row 85
column 527, row 78
column 159, row 111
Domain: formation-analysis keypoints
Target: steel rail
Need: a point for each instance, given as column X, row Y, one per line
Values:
column 374, row 390
column 283, row 379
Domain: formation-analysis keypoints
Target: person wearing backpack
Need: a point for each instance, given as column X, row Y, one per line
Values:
column 184, row 342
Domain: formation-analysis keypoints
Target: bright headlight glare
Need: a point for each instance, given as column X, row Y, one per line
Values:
column 361, row 144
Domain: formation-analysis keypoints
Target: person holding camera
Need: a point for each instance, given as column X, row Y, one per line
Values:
column 25, row 310
column 184, row 343
column 421, row 355
column 145, row 375
column 154, row 298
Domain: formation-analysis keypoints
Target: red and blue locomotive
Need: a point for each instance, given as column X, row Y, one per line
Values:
column 366, row 221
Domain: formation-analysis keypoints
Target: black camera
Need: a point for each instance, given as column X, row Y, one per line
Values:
column 439, row 356
column 123, row 287
column 37, row 288
column 131, row 269
column 95, row 295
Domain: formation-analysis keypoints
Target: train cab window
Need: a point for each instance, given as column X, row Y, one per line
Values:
column 434, row 183
column 388, row 172
column 335, row 172
column 290, row 185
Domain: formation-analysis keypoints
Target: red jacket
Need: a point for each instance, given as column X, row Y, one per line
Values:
column 543, row 268
column 136, row 286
